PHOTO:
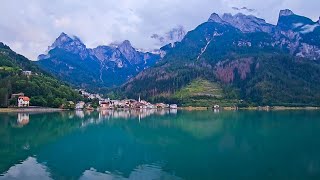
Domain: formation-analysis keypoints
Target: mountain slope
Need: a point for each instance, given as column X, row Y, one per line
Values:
column 43, row 89
column 253, row 60
column 104, row 66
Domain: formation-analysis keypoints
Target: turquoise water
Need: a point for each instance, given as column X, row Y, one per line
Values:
column 160, row 145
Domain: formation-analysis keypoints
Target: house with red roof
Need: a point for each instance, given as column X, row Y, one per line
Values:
column 23, row 101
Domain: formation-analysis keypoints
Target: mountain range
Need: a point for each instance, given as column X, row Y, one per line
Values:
column 69, row 59
column 245, row 57
column 227, row 59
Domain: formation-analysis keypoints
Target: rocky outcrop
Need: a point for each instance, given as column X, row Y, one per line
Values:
column 215, row 18
column 70, row 44
column 248, row 23
column 286, row 12
column 289, row 34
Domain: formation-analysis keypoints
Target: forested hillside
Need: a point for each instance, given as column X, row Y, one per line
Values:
column 43, row 89
column 253, row 62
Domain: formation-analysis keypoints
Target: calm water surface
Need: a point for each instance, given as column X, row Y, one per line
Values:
column 160, row 145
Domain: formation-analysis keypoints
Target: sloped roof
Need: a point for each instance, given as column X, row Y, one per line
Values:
column 25, row 98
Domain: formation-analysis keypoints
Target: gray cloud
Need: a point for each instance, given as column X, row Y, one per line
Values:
column 30, row 26
column 174, row 35
column 247, row 10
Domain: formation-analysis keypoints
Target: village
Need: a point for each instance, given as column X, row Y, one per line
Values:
column 124, row 104
column 96, row 102
column 118, row 104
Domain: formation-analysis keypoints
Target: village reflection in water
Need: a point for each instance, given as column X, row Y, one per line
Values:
column 135, row 114
column 96, row 117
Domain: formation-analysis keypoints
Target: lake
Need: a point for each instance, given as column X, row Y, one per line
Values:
column 163, row 144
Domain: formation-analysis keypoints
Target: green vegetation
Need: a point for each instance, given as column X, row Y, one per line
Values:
column 254, row 74
column 43, row 89
column 202, row 92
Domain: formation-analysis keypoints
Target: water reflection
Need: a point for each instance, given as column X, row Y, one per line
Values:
column 216, row 110
column 142, row 144
column 144, row 171
column 134, row 113
column 126, row 113
column 29, row 169
column 23, row 119
column 79, row 113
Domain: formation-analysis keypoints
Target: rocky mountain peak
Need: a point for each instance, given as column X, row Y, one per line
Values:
column 125, row 47
column 286, row 12
column 215, row 18
column 247, row 23
column 129, row 52
column 4, row 46
column 70, row 44
column 64, row 41
column 126, row 44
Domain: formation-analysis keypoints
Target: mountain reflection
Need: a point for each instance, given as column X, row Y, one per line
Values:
column 29, row 169
column 103, row 115
column 127, row 113
column 142, row 144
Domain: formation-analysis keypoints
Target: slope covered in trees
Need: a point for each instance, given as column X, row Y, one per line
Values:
column 278, row 67
column 43, row 89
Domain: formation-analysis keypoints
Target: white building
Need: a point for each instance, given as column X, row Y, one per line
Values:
column 27, row 73
column 80, row 105
column 216, row 107
column 173, row 106
column 23, row 101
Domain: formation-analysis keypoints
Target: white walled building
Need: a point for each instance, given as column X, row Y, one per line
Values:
column 23, row 101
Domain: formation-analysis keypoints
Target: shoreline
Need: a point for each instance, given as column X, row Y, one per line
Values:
column 274, row 108
column 34, row 109
column 190, row 108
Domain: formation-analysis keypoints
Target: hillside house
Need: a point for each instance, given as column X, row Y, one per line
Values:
column 23, row 101
column 161, row 105
column 27, row 73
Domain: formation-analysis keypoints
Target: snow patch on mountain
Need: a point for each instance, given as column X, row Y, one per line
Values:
column 308, row 28
column 203, row 50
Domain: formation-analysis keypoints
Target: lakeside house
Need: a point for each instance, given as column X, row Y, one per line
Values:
column 23, row 101
column 161, row 105
column 104, row 105
column 80, row 105
column 173, row 106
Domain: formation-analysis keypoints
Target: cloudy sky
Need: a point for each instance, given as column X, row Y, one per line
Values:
column 30, row 26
